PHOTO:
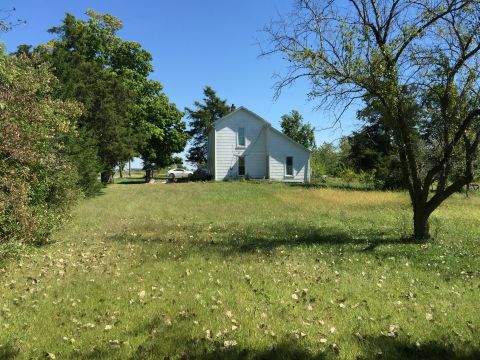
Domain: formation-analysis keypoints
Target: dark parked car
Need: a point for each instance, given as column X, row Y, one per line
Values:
column 201, row 175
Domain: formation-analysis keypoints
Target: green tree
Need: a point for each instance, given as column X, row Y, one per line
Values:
column 201, row 120
column 37, row 180
column 326, row 160
column 395, row 52
column 163, row 130
column 126, row 113
column 81, row 151
column 104, row 73
column 294, row 127
column 372, row 149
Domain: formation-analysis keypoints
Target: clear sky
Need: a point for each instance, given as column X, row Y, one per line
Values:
column 193, row 44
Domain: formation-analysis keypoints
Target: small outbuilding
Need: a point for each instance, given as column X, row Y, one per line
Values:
column 243, row 144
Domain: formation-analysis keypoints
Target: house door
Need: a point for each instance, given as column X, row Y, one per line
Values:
column 241, row 166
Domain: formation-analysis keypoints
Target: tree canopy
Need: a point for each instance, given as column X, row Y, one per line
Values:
column 400, row 53
column 202, row 118
column 296, row 129
column 126, row 113
column 163, row 130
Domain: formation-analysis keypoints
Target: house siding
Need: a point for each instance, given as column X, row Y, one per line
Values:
column 279, row 149
column 228, row 152
column 262, row 144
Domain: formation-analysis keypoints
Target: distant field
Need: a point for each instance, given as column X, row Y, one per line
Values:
column 243, row 270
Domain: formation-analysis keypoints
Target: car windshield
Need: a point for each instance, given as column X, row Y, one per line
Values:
column 178, row 169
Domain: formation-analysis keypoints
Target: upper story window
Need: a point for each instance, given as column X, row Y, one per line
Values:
column 289, row 166
column 241, row 136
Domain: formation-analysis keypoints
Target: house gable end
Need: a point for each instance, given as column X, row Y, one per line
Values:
column 259, row 118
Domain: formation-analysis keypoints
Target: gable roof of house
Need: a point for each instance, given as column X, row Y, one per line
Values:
column 258, row 117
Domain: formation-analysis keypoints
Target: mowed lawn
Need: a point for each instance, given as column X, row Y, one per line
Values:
column 244, row 270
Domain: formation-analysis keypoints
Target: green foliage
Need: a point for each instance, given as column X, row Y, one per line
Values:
column 98, row 111
column 201, row 121
column 126, row 113
column 372, row 149
column 293, row 126
column 37, row 182
column 81, row 151
column 329, row 159
column 348, row 175
column 161, row 126
column 103, row 72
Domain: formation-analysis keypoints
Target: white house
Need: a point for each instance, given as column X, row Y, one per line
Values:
column 242, row 144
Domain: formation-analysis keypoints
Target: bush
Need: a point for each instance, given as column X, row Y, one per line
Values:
column 37, row 181
column 348, row 175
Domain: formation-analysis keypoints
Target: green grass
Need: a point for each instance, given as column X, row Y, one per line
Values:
column 243, row 270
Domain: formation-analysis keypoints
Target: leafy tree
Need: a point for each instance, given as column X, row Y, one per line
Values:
column 24, row 50
column 201, row 120
column 126, row 113
column 372, row 149
column 103, row 72
column 293, row 126
column 37, row 181
column 163, row 130
column 327, row 159
column 81, row 152
column 395, row 52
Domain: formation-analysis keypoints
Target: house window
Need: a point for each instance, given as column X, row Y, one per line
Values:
column 241, row 136
column 289, row 167
column 241, row 166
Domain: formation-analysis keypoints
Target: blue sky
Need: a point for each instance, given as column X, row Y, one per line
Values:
column 194, row 44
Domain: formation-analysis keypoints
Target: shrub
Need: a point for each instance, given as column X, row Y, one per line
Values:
column 348, row 175
column 37, row 182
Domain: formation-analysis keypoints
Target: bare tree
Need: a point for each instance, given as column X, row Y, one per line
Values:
column 6, row 21
column 419, row 59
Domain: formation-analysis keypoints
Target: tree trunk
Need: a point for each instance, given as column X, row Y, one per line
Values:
column 129, row 168
column 120, row 171
column 106, row 177
column 421, row 226
column 149, row 175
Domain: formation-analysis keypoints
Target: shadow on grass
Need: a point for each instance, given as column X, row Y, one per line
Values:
column 130, row 182
column 137, row 181
column 236, row 238
column 284, row 351
column 8, row 352
column 164, row 346
column 348, row 187
column 284, row 236
column 384, row 347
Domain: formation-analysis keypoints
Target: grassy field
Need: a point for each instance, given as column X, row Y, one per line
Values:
column 244, row 270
